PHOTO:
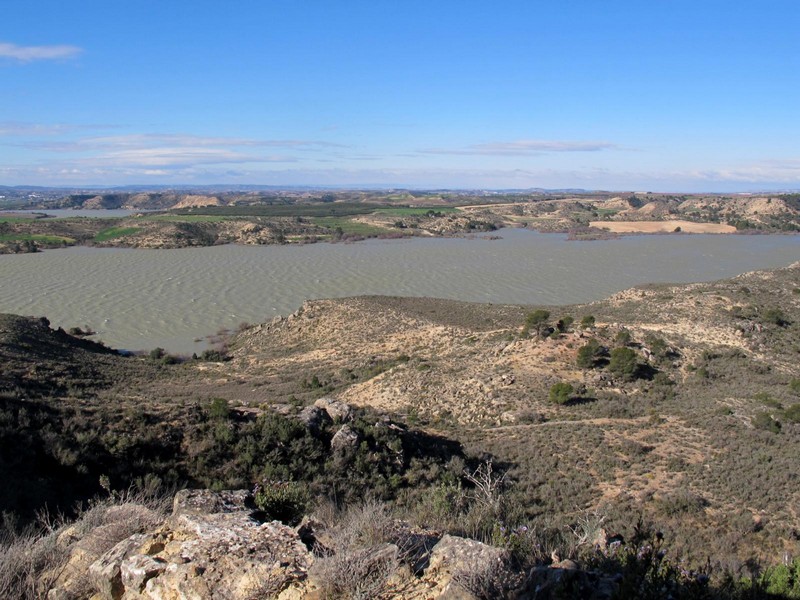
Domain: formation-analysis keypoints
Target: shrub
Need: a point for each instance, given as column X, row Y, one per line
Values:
column 624, row 363
column 588, row 353
column 775, row 316
column 792, row 414
column 764, row 421
column 564, row 323
column 624, row 337
column 782, row 581
column 587, row 321
column 284, row 501
column 536, row 320
column 214, row 356
column 218, row 409
column 560, row 393
column 794, row 385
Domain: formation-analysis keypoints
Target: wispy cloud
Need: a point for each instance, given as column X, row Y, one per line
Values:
column 177, row 156
column 148, row 140
column 523, row 148
column 27, row 54
column 20, row 129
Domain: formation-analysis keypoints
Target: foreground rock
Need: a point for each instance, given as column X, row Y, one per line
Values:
column 213, row 545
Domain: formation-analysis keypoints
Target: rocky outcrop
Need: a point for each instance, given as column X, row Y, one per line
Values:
column 337, row 411
column 213, row 545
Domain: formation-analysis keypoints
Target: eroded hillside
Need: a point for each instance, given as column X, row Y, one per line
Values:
column 699, row 433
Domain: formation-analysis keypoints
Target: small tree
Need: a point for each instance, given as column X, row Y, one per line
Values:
column 564, row 323
column 775, row 316
column 536, row 320
column 587, row 322
column 560, row 393
column 588, row 353
column 623, row 337
column 624, row 363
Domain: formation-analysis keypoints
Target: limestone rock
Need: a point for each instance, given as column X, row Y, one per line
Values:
column 344, row 438
column 338, row 411
column 211, row 547
column 467, row 569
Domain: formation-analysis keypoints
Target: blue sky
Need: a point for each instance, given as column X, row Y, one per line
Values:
column 667, row 95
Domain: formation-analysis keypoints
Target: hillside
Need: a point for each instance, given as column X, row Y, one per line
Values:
column 700, row 437
column 674, row 405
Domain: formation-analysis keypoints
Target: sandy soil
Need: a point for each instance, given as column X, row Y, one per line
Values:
column 662, row 226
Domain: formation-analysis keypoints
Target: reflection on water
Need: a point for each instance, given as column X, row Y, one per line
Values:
column 139, row 299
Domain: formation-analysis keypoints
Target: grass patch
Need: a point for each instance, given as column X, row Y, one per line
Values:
column 114, row 232
column 17, row 219
column 606, row 211
column 348, row 226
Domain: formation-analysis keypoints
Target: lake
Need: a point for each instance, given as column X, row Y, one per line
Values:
column 140, row 299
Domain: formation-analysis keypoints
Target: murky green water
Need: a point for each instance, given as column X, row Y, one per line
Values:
column 139, row 299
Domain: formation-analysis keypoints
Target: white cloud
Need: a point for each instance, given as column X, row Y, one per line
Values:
column 27, row 54
column 524, row 148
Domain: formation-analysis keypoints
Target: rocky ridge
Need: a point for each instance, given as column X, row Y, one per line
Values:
column 218, row 545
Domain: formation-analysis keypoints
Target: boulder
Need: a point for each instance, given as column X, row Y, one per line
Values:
column 314, row 418
column 337, row 411
column 344, row 438
column 211, row 547
column 467, row 570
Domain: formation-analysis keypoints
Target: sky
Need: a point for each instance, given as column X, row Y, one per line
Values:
column 660, row 95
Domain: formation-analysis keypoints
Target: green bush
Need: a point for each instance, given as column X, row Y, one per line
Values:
column 624, row 337
column 218, row 409
column 588, row 353
column 284, row 501
column 782, row 581
column 536, row 320
column 587, row 321
column 624, row 363
column 564, row 323
column 764, row 421
column 792, row 414
column 560, row 393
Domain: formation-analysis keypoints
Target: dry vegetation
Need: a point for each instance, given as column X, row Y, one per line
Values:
column 679, row 405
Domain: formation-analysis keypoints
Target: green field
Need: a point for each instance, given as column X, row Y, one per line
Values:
column 349, row 227
column 114, row 232
column 324, row 209
column 416, row 210
column 189, row 218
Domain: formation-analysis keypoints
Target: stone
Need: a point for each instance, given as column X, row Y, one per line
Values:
column 137, row 570
column 105, row 572
column 344, row 438
column 337, row 411
column 208, row 502
column 314, row 418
